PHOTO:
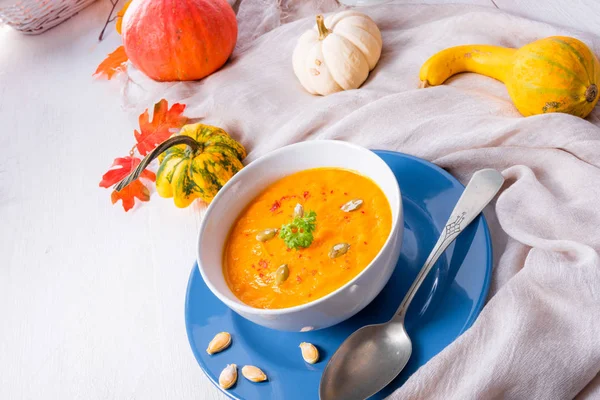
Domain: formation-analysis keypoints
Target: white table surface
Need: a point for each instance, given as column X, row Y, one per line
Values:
column 91, row 297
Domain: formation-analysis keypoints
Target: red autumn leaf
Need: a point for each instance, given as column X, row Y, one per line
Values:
column 164, row 122
column 135, row 189
column 113, row 64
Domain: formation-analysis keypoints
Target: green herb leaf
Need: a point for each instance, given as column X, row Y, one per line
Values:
column 299, row 233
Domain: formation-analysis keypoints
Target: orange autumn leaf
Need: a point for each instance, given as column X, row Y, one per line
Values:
column 164, row 123
column 128, row 194
column 120, row 15
column 114, row 63
column 124, row 165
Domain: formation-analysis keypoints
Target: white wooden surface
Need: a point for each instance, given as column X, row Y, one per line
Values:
column 91, row 298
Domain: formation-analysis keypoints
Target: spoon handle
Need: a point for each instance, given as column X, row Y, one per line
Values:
column 481, row 189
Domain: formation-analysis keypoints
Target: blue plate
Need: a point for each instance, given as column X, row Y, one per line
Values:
column 446, row 305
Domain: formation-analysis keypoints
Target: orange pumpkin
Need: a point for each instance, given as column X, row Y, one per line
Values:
column 179, row 40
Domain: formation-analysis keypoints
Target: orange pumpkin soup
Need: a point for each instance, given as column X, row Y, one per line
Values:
column 264, row 272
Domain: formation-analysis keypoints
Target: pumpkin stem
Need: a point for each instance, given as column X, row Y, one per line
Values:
column 591, row 93
column 174, row 141
column 323, row 31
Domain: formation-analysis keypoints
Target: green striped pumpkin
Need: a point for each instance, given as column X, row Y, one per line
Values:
column 198, row 171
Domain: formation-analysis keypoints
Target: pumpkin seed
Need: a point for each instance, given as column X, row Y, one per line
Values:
column 339, row 250
column 352, row 205
column 228, row 376
column 309, row 352
column 314, row 71
column 282, row 273
column 219, row 343
column 253, row 374
column 298, row 211
column 267, row 234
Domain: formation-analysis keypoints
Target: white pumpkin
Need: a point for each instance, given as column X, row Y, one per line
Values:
column 338, row 53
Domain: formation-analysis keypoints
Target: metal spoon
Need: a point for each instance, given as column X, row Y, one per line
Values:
column 374, row 355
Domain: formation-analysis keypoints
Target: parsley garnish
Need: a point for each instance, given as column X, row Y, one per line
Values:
column 299, row 233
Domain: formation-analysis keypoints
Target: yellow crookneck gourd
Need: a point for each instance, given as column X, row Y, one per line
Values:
column 555, row 74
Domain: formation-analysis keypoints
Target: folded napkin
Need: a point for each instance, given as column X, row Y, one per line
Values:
column 538, row 337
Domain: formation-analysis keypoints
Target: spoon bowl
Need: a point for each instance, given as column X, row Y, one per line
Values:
column 386, row 347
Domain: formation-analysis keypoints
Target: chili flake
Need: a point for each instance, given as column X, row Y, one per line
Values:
column 275, row 205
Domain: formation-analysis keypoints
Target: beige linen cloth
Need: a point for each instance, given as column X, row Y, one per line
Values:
column 538, row 337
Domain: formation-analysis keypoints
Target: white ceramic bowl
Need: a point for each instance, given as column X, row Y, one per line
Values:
column 251, row 181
